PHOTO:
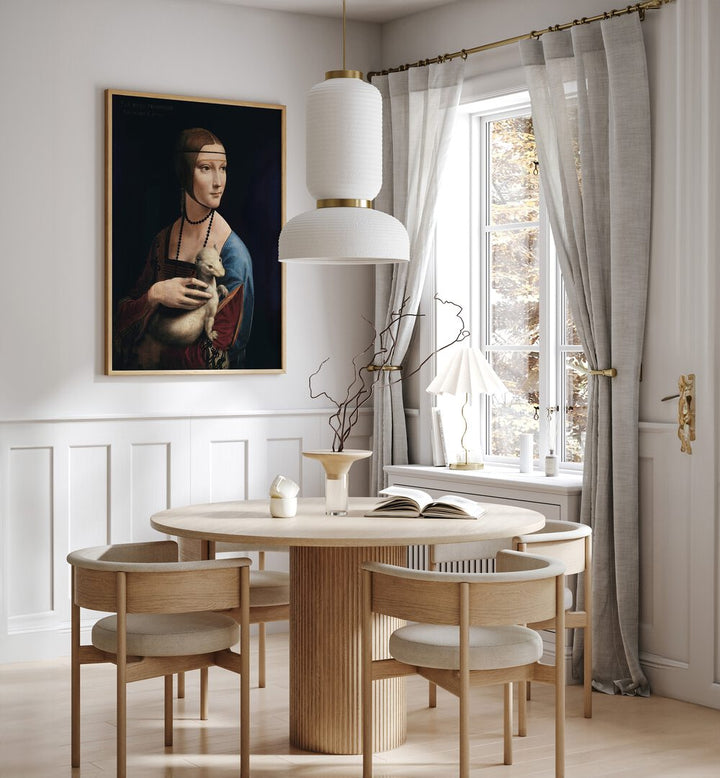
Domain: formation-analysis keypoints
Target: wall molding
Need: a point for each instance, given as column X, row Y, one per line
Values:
column 68, row 483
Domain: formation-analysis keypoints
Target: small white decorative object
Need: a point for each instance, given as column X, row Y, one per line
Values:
column 551, row 463
column 283, row 497
column 551, row 460
column 283, row 507
column 526, row 452
column 283, row 487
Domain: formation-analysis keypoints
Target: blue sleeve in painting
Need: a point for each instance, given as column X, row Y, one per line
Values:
column 238, row 270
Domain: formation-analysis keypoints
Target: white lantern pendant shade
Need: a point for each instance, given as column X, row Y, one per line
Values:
column 344, row 174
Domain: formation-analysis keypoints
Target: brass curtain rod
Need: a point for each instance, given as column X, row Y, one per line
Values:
column 639, row 8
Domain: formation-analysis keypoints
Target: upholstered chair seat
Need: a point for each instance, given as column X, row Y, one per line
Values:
column 269, row 587
column 437, row 645
column 168, row 634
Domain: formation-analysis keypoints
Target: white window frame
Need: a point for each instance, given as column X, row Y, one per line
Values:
column 465, row 243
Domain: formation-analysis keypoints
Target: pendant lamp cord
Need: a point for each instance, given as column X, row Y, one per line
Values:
column 343, row 39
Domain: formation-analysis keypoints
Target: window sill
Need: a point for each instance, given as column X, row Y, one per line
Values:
column 565, row 483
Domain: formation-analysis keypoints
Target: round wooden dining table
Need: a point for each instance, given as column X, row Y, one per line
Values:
column 325, row 598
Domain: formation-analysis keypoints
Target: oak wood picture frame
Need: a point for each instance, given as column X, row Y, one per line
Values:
column 142, row 202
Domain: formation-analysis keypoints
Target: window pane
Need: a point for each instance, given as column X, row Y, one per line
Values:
column 514, row 287
column 520, row 372
column 576, row 393
column 514, row 187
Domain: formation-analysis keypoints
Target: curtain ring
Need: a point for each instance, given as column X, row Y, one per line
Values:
column 641, row 13
column 463, row 54
column 535, row 35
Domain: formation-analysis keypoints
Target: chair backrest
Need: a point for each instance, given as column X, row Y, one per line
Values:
column 567, row 541
column 151, row 580
column 526, row 588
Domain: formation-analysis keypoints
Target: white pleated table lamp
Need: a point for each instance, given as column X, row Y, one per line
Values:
column 467, row 373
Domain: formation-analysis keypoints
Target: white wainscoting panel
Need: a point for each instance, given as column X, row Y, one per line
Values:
column 89, row 495
column 68, row 484
column 30, row 532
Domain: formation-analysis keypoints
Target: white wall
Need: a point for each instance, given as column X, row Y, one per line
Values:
column 56, row 59
column 86, row 458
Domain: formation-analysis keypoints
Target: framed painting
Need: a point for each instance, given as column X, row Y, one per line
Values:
column 194, row 206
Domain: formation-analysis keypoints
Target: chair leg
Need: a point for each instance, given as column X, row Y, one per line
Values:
column 432, row 695
column 522, row 709
column 168, row 710
column 587, row 672
column 75, row 686
column 121, row 713
column 203, row 693
column 507, row 723
column 121, row 676
column 560, row 704
column 245, row 700
column 367, row 751
column 528, row 690
column 181, row 685
column 464, row 704
column 261, row 655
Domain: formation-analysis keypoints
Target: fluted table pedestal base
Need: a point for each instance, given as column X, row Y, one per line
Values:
column 325, row 688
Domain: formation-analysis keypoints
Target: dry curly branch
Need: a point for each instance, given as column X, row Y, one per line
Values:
column 366, row 372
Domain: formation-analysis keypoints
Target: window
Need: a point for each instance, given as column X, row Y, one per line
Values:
column 495, row 256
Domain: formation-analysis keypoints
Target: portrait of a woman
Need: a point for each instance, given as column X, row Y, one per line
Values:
column 168, row 278
column 179, row 189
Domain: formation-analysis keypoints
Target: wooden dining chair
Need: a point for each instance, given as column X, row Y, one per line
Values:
column 474, row 557
column 571, row 543
column 269, row 598
column 165, row 620
column 467, row 632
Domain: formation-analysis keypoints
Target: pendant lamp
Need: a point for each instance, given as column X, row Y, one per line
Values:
column 344, row 174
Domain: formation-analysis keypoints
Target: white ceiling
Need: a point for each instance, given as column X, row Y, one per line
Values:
column 360, row 10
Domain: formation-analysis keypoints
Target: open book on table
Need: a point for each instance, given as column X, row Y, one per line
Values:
column 402, row 501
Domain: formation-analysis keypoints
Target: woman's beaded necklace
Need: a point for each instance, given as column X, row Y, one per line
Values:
column 184, row 218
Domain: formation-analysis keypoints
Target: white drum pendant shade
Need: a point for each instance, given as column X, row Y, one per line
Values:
column 344, row 175
column 353, row 236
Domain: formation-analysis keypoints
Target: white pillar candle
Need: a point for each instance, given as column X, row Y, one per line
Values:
column 526, row 452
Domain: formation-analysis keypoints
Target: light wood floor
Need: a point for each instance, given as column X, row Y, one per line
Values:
column 628, row 736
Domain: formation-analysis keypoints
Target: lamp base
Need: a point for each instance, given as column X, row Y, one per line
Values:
column 466, row 465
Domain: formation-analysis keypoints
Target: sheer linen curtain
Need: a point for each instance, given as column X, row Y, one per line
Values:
column 591, row 112
column 418, row 114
